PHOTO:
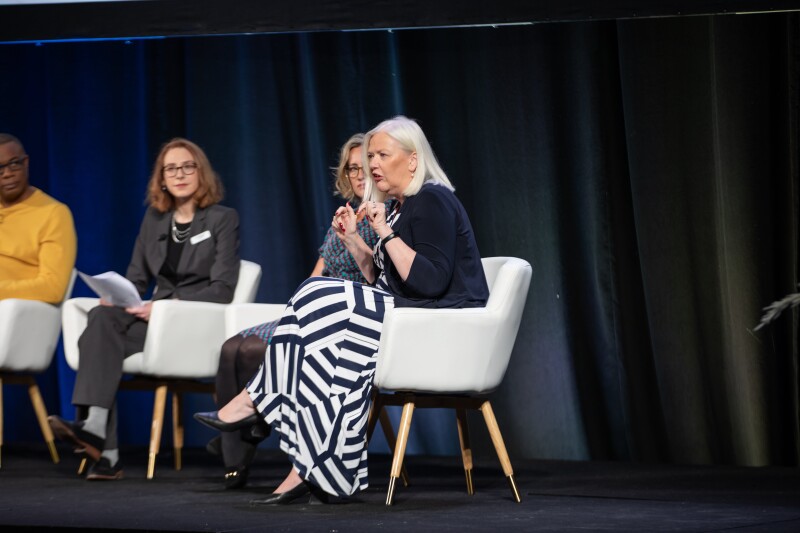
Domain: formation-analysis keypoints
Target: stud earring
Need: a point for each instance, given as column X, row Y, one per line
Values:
column 164, row 188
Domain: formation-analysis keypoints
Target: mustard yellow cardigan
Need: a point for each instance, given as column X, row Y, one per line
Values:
column 37, row 249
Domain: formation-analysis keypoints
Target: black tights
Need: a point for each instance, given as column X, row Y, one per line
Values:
column 238, row 363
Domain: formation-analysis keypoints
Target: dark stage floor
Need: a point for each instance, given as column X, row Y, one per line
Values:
column 556, row 495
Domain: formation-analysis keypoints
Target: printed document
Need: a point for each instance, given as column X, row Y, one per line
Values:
column 113, row 288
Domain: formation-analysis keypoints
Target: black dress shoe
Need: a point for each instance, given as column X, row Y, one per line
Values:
column 236, row 478
column 212, row 420
column 103, row 471
column 300, row 494
column 90, row 444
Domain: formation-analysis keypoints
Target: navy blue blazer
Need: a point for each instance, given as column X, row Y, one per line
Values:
column 208, row 269
column 447, row 270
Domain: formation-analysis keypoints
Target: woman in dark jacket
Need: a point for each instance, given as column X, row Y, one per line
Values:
column 189, row 246
column 314, row 386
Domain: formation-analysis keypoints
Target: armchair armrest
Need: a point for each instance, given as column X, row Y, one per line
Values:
column 74, row 314
column 421, row 349
column 184, row 339
column 28, row 334
column 239, row 317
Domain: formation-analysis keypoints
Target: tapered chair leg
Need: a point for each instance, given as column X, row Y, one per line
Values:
column 388, row 434
column 177, row 427
column 155, row 429
column 500, row 447
column 466, row 449
column 400, row 449
column 82, row 466
column 41, row 416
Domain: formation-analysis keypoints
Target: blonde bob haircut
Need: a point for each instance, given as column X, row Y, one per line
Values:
column 342, row 183
column 412, row 139
column 209, row 190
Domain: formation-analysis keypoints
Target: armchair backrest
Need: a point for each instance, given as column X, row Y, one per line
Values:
column 456, row 350
column 247, row 286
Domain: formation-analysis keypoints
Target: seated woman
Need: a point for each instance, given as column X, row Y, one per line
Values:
column 188, row 245
column 242, row 354
column 314, row 386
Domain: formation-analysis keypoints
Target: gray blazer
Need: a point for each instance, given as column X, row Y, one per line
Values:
column 209, row 265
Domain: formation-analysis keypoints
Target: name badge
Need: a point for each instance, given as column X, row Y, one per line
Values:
column 200, row 237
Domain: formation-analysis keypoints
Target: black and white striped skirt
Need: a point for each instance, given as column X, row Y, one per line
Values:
column 314, row 386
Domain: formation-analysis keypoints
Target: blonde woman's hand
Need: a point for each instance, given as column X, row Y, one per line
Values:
column 376, row 213
column 344, row 222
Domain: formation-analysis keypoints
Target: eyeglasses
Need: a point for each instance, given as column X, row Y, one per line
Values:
column 188, row 168
column 352, row 172
column 13, row 165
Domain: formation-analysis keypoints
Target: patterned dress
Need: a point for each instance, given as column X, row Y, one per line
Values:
column 314, row 386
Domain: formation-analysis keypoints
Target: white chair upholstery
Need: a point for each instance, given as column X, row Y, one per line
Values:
column 181, row 350
column 29, row 332
column 452, row 358
column 239, row 317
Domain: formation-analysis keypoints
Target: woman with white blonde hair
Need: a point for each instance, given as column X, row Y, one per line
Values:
column 315, row 384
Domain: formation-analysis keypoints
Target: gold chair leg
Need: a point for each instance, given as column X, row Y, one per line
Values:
column 400, row 449
column 82, row 466
column 177, row 427
column 466, row 449
column 388, row 434
column 500, row 447
column 155, row 428
column 41, row 416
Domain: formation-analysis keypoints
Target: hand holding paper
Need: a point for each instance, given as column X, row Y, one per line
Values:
column 114, row 288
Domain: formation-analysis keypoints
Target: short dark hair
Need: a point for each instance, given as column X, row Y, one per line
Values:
column 6, row 138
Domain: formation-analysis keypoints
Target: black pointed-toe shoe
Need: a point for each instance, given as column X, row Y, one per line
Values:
column 300, row 494
column 212, row 420
column 89, row 444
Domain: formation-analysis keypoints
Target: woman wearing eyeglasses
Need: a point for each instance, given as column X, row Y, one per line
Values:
column 188, row 245
column 242, row 354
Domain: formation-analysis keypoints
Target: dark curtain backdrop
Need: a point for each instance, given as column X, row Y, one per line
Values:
column 648, row 170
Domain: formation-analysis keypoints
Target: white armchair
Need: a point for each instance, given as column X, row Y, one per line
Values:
column 29, row 332
column 239, row 317
column 181, row 352
column 452, row 358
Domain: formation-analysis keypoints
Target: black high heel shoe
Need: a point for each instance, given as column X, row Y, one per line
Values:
column 300, row 494
column 212, row 420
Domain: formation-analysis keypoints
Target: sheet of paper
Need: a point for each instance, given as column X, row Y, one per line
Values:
column 113, row 288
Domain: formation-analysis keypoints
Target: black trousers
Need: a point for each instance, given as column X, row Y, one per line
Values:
column 238, row 362
column 110, row 336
